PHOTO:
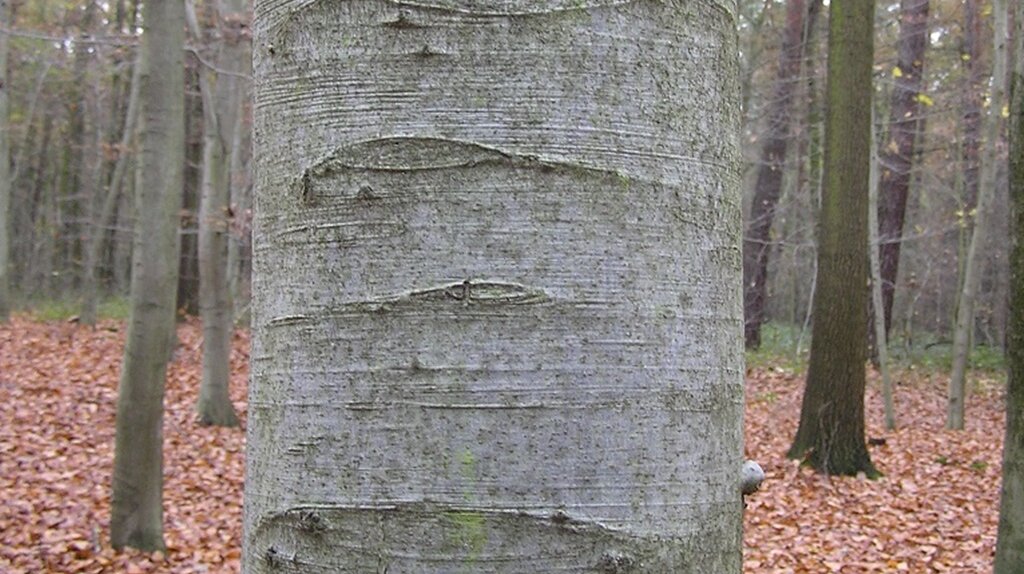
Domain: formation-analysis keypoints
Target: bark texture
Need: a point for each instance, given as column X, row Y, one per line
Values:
column 137, row 513
column 970, row 55
column 963, row 330
column 897, row 153
column 214, row 404
column 1010, row 542
column 831, row 433
column 771, row 167
column 497, row 312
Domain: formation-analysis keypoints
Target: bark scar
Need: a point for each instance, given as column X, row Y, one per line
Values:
column 407, row 154
column 469, row 292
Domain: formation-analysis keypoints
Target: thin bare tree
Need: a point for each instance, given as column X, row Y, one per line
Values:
column 137, row 501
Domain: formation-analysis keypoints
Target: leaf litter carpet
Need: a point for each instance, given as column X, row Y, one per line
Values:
column 935, row 510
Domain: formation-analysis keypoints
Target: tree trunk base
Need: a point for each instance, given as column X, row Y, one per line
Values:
column 217, row 413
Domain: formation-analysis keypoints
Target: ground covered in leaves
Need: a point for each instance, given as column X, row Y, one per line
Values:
column 935, row 510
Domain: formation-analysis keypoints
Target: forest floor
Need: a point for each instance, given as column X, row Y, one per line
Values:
column 935, row 510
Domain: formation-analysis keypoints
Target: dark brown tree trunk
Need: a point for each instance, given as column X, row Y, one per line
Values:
column 897, row 152
column 831, row 433
column 767, row 189
column 1010, row 544
column 188, row 266
column 970, row 54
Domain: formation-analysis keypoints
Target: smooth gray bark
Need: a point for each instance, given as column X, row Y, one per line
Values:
column 497, row 301
column 5, row 178
column 986, row 191
column 877, row 307
column 240, row 242
column 137, row 513
column 221, row 101
column 238, row 33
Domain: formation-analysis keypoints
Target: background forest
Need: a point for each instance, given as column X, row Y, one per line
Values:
column 70, row 88
column 940, row 151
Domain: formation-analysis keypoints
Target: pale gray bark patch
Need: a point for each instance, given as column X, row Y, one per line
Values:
column 376, row 539
column 497, row 301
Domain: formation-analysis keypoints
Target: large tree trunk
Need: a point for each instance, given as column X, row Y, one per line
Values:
column 1010, row 543
column 964, row 327
column 771, row 166
column 897, row 153
column 497, row 308
column 831, row 432
column 5, row 178
column 137, row 513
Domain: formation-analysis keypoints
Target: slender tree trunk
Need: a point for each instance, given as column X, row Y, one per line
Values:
column 815, row 126
column 39, row 213
column 831, row 433
column 815, row 167
column 122, row 245
column 107, row 210
column 188, row 252
column 240, row 243
column 237, row 56
column 137, row 513
column 970, row 55
column 771, row 167
column 214, row 406
column 897, row 153
column 970, row 145
column 25, row 149
column 76, row 198
column 972, row 265
column 221, row 101
column 5, row 179
column 119, row 93
column 1010, row 542
column 497, row 307
column 877, row 320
